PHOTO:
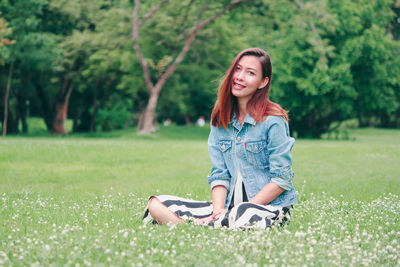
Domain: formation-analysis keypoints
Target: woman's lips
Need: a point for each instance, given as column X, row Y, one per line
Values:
column 238, row 86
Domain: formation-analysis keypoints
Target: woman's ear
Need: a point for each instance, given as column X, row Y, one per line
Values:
column 264, row 83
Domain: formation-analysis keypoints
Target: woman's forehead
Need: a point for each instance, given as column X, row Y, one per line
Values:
column 250, row 62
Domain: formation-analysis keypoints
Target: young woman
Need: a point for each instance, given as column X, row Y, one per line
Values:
column 250, row 151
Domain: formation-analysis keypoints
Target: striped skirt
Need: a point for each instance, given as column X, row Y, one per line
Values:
column 242, row 216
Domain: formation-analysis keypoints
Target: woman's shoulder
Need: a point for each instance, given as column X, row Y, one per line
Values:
column 276, row 124
column 274, row 119
column 220, row 131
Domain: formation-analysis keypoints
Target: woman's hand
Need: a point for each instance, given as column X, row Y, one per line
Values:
column 215, row 215
column 219, row 193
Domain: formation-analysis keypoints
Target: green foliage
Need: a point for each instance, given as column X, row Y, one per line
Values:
column 332, row 60
column 33, row 55
column 115, row 115
column 5, row 31
column 192, row 90
column 93, row 56
column 372, row 55
column 329, row 60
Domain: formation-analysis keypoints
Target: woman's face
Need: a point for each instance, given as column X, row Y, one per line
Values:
column 247, row 78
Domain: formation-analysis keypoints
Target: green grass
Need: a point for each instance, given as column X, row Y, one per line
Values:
column 80, row 198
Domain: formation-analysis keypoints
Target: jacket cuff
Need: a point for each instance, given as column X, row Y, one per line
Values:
column 219, row 182
column 282, row 182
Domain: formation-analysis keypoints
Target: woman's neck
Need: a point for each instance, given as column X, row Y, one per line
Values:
column 242, row 113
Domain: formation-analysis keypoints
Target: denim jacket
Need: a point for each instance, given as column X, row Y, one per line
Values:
column 261, row 152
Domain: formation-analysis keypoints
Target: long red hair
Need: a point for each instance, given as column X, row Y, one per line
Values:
column 259, row 105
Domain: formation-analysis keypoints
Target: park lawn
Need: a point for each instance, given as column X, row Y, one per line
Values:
column 79, row 199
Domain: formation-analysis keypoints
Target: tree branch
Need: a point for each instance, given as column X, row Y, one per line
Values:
column 171, row 68
column 152, row 12
column 6, row 98
column 203, row 9
column 300, row 4
column 182, row 27
column 231, row 5
column 189, row 40
column 135, row 34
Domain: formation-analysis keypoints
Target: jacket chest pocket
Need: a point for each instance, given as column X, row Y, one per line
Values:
column 224, row 145
column 256, row 153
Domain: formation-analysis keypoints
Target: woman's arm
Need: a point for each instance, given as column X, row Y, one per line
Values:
column 219, row 193
column 280, row 159
column 279, row 146
column 267, row 194
column 219, row 172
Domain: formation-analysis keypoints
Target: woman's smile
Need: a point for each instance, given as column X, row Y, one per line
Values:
column 247, row 78
column 238, row 86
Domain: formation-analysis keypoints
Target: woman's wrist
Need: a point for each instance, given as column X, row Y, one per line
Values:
column 217, row 213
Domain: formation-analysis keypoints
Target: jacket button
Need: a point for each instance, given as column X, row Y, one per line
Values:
column 238, row 139
column 238, row 154
column 251, row 194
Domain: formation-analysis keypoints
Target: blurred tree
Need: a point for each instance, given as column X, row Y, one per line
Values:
column 392, row 120
column 104, row 65
column 372, row 54
column 63, row 45
column 31, row 57
column 312, row 80
column 79, row 43
column 190, row 93
column 5, row 32
column 4, row 56
column 182, row 29
column 332, row 60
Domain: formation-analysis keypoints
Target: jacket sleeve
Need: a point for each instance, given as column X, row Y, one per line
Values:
column 279, row 145
column 219, row 172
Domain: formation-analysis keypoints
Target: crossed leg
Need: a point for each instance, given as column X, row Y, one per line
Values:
column 161, row 213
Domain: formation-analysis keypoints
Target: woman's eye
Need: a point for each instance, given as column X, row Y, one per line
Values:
column 251, row 73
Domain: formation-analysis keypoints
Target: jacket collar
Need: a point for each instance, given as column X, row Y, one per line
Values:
column 248, row 119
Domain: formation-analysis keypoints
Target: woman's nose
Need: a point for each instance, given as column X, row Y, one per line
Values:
column 239, row 75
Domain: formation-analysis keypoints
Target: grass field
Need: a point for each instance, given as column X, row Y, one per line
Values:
column 79, row 200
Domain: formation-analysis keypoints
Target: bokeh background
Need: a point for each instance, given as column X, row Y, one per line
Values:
column 72, row 64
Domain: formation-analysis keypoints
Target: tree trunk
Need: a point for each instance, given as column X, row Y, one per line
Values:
column 61, row 110
column 148, row 116
column 6, row 99
column 12, row 123
column 95, row 106
column 154, row 90
column 46, row 109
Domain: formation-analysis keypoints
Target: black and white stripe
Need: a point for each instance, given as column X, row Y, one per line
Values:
column 248, row 215
column 242, row 216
